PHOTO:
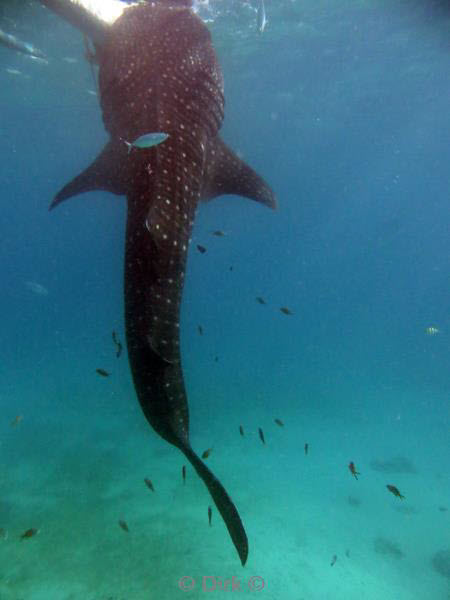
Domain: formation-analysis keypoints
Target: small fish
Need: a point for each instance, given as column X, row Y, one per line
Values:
column 218, row 233
column 146, row 141
column 333, row 560
column 200, row 329
column 117, row 343
column 149, row 484
column 37, row 288
column 124, row 526
column 260, row 300
column 183, row 474
column 102, row 372
column 16, row 420
column 11, row 41
column 231, row 267
column 3, row 534
column 206, row 453
column 241, row 430
column 395, row 491
column 216, row 359
column 29, row 533
column 261, row 435
column 286, row 311
column 432, row 330
column 201, row 249
column 38, row 59
column 306, row 448
column 279, row 422
column 261, row 20
column 353, row 471
column 209, row 515
column 347, row 553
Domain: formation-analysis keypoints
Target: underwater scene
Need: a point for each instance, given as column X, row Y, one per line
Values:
column 225, row 348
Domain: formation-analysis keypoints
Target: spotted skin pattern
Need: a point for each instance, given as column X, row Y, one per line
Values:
column 158, row 72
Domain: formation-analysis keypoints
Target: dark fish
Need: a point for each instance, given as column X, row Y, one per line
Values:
column 218, row 233
column 158, row 72
column 216, row 359
column 260, row 300
column 231, row 267
column 306, row 448
column 124, row 526
column 209, row 515
column 286, row 311
column 201, row 249
column 395, row 491
column 279, row 422
column 200, row 329
column 241, row 430
column 261, row 435
column 117, row 343
column 352, row 469
column 183, row 473
column 206, row 453
column 29, row 533
column 149, row 484
column 333, row 560
column 102, row 372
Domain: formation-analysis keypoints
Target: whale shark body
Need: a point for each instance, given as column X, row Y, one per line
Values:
column 158, row 72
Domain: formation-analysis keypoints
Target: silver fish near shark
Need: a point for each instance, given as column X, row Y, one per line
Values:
column 261, row 19
column 13, row 42
column 148, row 140
column 158, row 72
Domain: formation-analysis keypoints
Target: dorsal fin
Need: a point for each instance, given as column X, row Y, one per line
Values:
column 108, row 172
column 226, row 173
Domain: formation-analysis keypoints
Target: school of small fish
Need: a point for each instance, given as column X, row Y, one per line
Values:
column 285, row 310
column 33, row 531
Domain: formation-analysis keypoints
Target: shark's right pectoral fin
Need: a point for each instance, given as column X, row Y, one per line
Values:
column 108, row 172
column 226, row 173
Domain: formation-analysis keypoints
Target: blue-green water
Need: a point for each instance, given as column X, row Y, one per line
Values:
column 343, row 107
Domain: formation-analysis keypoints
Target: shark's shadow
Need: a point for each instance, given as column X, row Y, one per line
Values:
column 158, row 72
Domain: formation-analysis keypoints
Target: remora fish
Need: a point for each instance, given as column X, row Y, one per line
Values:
column 158, row 72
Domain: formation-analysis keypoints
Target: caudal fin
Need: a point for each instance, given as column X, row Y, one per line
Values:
column 223, row 502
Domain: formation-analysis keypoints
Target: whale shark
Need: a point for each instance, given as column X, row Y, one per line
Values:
column 158, row 72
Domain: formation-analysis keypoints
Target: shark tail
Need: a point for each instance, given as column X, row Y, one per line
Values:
column 223, row 502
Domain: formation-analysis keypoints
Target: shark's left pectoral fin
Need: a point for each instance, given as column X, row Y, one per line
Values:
column 226, row 173
column 108, row 172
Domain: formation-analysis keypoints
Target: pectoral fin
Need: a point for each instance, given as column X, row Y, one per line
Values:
column 108, row 172
column 226, row 173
